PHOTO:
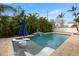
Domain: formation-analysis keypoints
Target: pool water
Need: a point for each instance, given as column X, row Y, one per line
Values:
column 38, row 42
column 49, row 40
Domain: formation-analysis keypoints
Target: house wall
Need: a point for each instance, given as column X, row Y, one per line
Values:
column 70, row 25
column 73, row 30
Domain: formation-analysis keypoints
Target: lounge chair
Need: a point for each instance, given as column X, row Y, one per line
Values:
column 21, row 42
column 17, row 39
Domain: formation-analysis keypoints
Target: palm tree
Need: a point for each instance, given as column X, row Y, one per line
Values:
column 31, row 20
column 4, row 19
column 77, row 23
column 61, row 16
column 44, row 25
column 75, row 14
column 73, row 8
column 6, row 7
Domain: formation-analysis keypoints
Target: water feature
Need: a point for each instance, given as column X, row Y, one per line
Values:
column 40, row 33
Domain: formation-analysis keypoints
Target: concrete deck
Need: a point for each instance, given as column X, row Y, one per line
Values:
column 6, row 47
column 69, row 47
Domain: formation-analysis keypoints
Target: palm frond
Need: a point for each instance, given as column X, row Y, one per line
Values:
column 77, row 13
column 61, row 15
column 73, row 8
column 6, row 7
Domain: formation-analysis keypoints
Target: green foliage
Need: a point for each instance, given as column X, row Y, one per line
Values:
column 10, row 25
column 61, row 15
column 31, row 20
column 34, row 23
column 77, row 19
column 75, row 14
column 44, row 25
column 77, row 23
column 3, row 8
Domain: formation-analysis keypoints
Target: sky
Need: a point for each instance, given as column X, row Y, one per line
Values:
column 54, row 9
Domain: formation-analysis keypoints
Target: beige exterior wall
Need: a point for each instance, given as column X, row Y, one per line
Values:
column 73, row 30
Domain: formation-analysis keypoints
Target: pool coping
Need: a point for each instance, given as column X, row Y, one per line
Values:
column 63, row 33
column 66, row 47
column 64, row 42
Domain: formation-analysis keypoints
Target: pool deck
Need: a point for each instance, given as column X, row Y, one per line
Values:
column 69, row 48
column 6, row 47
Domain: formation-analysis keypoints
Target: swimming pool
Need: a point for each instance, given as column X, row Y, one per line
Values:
column 38, row 42
column 49, row 40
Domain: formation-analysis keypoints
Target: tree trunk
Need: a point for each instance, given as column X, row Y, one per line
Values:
column 77, row 27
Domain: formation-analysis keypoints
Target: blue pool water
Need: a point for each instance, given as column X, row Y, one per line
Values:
column 49, row 40
column 38, row 42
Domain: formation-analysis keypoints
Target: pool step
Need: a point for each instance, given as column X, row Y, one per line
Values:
column 30, row 47
column 44, row 52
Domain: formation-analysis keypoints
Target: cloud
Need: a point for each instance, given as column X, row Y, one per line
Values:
column 55, row 12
